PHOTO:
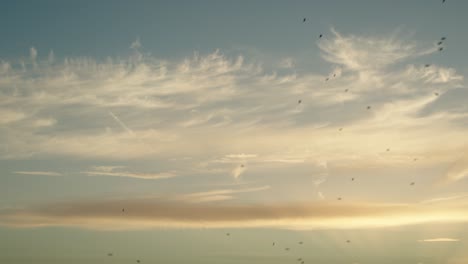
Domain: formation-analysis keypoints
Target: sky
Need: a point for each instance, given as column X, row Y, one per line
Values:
column 233, row 132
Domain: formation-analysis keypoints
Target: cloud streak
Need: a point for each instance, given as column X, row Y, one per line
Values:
column 166, row 213
column 40, row 173
column 111, row 171
column 440, row 240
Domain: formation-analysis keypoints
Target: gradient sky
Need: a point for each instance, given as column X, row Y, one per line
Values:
column 202, row 118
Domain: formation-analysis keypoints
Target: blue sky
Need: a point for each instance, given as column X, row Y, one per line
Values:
column 213, row 117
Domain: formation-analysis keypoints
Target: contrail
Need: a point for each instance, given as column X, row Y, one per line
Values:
column 121, row 123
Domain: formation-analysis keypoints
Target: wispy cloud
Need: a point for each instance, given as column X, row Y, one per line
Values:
column 227, row 109
column 218, row 195
column 445, row 199
column 41, row 173
column 457, row 171
column 122, row 124
column 440, row 240
column 238, row 171
column 33, row 54
column 114, row 171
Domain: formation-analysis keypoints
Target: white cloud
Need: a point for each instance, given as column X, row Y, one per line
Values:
column 51, row 57
column 218, row 195
column 457, row 171
column 40, row 173
column 223, row 109
column 361, row 53
column 115, row 171
column 440, row 240
column 122, row 124
column 320, row 196
column 8, row 116
column 33, row 54
column 44, row 122
column 445, row 199
column 238, row 171
column 241, row 156
column 287, row 63
column 136, row 44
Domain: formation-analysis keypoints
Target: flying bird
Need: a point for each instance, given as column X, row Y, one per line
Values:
column 299, row 101
column 443, row 1
column 327, row 79
column 138, row 261
column 242, row 165
column 352, row 179
column 227, row 234
column 368, row 107
column 346, row 90
column 439, row 43
column 274, row 243
column 334, row 75
column 427, row 65
column 320, row 36
column 340, row 129
column 300, row 243
column 287, row 249
column 443, row 38
column 339, row 198
column 109, row 254
column 412, row 183
column 123, row 209
column 441, row 48
column 436, row 94
column 348, row 241
column 304, row 20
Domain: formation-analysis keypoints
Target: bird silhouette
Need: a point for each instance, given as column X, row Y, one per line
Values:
column 352, row 179
column 320, row 36
column 339, row 198
column 299, row 101
column 436, row 94
column 388, row 149
column 304, row 20
column 138, row 261
column 439, row 43
column 427, row 65
column 346, row 90
column 441, row 48
column 109, row 254
column 412, row 183
column 443, row 38
column 368, row 107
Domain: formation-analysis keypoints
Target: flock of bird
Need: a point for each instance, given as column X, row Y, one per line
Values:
column 301, row 260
